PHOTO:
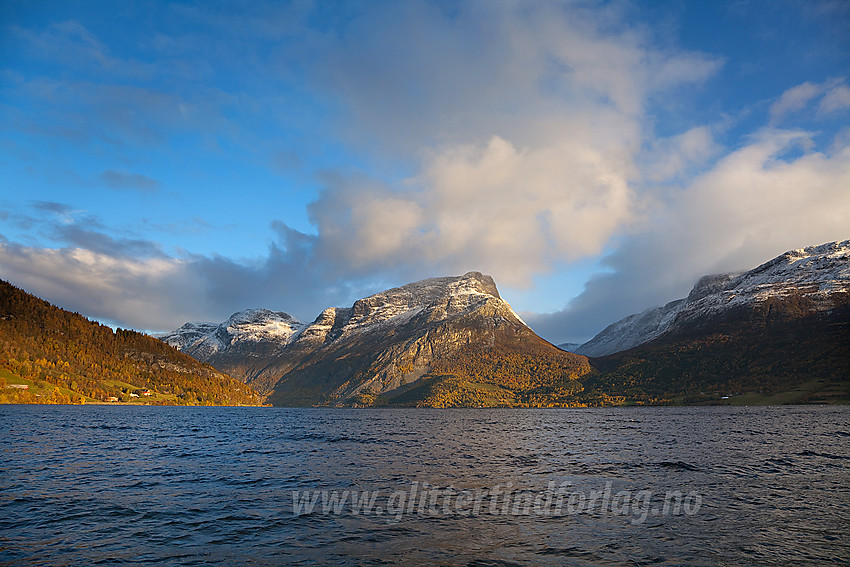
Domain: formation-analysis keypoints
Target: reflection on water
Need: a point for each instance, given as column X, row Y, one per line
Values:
column 197, row 486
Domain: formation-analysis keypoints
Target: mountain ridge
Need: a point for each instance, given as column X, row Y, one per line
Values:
column 452, row 341
column 779, row 333
column 818, row 272
column 385, row 342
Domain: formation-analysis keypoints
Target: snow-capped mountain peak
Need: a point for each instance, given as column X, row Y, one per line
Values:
column 435, row 298
column 261, row 324
column 202, row 340
column 188, row 334
column 454, row 294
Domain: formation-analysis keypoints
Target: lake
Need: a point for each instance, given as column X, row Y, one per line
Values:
column 478, row 487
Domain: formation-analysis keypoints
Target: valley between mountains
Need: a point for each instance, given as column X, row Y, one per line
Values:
column 779, row 333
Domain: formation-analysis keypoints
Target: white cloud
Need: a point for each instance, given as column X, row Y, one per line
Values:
column 413, row 77
column 837, row 98
column 754, row 204
column 527, row 119
column 142, row 293
column 505, row 210
column 671, row 158
column 794, row 99
column 161, row 292
column 834, row 93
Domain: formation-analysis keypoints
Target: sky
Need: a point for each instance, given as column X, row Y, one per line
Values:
column 164, row 162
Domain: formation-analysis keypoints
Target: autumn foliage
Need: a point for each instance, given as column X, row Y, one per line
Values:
column 70, row 359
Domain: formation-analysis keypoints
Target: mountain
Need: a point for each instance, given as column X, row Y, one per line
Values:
column 437, row 342
column 817, row 274
column 631, row 331
column 49, row 355
column 250, row 345
column 779, row 332
column 245, row 327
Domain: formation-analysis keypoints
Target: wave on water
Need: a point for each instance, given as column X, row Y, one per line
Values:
column 217, row 486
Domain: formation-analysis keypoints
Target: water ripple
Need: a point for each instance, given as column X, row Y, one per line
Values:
column 215, row 486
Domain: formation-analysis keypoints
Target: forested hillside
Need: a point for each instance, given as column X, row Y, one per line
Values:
column 49, row 355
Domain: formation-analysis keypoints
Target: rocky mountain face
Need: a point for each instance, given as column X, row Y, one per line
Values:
column 432, row 342
column 813, row 279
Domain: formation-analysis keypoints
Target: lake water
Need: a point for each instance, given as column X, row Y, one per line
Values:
column 273, row 486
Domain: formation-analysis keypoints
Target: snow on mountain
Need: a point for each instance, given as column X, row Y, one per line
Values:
column 255, row 325
column 188, row 334
column 413, row 323
column 816, row 273
column 443, row 297
column 632, row 330
column 388, row 341
column 202, row 340
column 437, row 298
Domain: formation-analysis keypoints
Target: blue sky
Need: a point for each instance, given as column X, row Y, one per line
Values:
column 165, row 162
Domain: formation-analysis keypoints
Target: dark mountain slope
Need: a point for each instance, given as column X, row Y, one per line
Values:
column 790, row 345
